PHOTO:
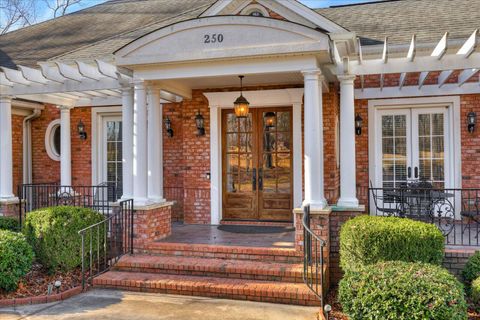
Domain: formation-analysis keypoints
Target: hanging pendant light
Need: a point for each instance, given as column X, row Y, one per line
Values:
column 241, row 104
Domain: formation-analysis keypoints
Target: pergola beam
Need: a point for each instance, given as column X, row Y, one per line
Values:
column 469, row 46
column 441, row 47
column 444, row 75
column 15, row 76
column 465, row 75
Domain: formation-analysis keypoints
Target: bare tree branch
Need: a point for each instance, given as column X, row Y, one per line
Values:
column 16, row 14
column 60, row 7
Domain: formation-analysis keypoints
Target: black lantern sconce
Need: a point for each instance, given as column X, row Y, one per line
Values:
column 358, row 124
column 241, row 105
column 168, row 127
column 199, row 121
column 82, row 133
column 270, row 119
column 471, row 121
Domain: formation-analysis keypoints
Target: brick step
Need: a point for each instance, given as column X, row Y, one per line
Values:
column 256, row 223
column 284, row 255
column 237, row 289
column 222, row 268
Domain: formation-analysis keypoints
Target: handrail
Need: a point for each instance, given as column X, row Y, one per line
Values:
column 104, row 242
column 313, row 260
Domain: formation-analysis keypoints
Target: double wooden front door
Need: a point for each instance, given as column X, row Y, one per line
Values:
column 257, row 165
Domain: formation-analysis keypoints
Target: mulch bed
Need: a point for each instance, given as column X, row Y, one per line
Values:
column 36, row 282
column 337, row 314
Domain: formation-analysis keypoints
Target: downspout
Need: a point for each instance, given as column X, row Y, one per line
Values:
column 27, row 146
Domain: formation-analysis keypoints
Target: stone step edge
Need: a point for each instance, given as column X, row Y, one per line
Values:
column 230, row 268
column 251, row 290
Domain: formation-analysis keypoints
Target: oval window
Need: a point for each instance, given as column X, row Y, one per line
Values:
column 53, row 141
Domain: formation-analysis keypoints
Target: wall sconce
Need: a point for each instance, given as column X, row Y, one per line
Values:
column 168, row 127
column 269, row 119
column 471, row 121
column 81, row 130
column 358, row 124
column 199, row 121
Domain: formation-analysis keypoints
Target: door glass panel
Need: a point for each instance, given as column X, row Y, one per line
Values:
column 232, row 163
column 431, row 148
column 113, row 158
column 394, row 150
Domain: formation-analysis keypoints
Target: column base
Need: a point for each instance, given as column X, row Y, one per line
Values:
column 315, row 204
column 151, row 223
column 9, row 207
column 348, row 202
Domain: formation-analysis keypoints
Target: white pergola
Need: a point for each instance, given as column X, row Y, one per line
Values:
column 465, row 61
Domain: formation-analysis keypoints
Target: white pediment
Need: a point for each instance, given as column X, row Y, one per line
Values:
column 222, row 37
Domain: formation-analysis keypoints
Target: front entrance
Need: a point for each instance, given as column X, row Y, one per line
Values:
column 257, row 165
column 414, row 146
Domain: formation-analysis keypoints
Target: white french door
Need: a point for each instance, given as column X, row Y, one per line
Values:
column 413, row 145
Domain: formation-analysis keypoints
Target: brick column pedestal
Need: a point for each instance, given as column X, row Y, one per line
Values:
column 9, row 208
column 151, row 223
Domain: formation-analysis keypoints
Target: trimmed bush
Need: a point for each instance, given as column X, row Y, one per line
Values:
column 367, row 240
column 16, row 257
column 471, row 271
column 400, row 290
column 475, row 291
column 9, row 223
column 53, row 234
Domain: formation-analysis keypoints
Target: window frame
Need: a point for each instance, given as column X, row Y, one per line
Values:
column 49, row 140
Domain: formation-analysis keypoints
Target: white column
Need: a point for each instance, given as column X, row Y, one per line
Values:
column 127, row 142
column 155, row 146
column 6, row 167
column 313, row 125
column 140, row 144
column 65, row 147
column 348, row 197
column 215, row 165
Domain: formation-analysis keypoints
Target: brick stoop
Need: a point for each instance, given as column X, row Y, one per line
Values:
column 224, row 252
column 231, row 272
column 238, row 289
column 222, row 268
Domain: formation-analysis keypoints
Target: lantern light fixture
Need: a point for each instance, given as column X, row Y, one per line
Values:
column 270, row 119
column 358, row 124
column 168, row 127
column 82, row 133
column 199, row 121
column 241, row 105
column 471, row 121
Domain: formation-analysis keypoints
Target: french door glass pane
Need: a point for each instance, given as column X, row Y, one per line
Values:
column 394, row 150
column 431, row 147
column 114, row 157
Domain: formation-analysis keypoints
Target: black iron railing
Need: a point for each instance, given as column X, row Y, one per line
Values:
column 313, row 258
column 43, row 195
column 456, row 212
column 105, row 242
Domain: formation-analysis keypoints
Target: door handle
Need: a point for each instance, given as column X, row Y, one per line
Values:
column 260, row 179
column 409, row 172
column 416, row 172
column 254, row 179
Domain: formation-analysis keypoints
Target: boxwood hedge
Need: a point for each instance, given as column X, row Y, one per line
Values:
column 53, row 234
column 9, row 223
column 16, row 257
column 400, row 290
column 367, row 240
column 475, row 291
column 471, row 271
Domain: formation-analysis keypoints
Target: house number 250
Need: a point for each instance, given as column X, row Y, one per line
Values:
column 213, row 38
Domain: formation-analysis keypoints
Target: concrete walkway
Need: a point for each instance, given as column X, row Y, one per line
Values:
column 122, row 305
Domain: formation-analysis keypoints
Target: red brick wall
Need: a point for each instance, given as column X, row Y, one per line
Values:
column 470, row 142
column 17, row 151
column 81, row 149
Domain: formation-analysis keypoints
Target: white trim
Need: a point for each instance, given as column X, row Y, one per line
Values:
column 252, row 8
column 415, row 91
column 454, row 130
column 264, row 98
column 97, row 133
column 49, row 140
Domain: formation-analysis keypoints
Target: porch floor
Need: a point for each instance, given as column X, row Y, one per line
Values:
column 210, row 234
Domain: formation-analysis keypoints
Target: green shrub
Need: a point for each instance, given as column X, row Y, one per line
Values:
column 9, row 223
column 475, row 291
column 400, row 290
column 367, row 240
column 472, row 268
column 53, row 234
column 16, row 257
